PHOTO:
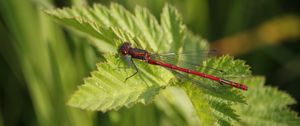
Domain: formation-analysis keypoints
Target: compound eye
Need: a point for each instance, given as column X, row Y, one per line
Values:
column 124, row 49
column 124, row 52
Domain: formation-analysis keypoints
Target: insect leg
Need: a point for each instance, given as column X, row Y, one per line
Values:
column 136, row 70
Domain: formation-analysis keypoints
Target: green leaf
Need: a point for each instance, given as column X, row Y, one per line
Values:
column 266, row 106
column 106, row 90
column 213, row 102
column 149, row 28
column 174, row 29
column 113, row 24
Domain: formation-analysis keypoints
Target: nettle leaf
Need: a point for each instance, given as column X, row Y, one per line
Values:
column 173, row 28
column 213, row 102
column 100, row 22
column 267, row 106
column 105, row 89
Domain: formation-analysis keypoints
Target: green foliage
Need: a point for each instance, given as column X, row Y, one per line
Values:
column 168, row 36
column 125, row 24
column 45, row 72
column 105, row 89
column 211, row 100
column 266, row 106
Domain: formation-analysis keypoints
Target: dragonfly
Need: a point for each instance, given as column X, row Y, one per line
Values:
column 126, row 49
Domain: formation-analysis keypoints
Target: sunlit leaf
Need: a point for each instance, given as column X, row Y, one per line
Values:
column 106, row 89
column 266, row 106
column 212, row 101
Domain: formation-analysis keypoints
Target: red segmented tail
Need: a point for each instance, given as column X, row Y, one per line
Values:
column 234, row 84
column 211, row 77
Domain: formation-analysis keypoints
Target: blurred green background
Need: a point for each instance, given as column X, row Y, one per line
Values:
column 41, row 62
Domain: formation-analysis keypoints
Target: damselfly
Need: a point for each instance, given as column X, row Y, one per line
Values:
column 127, row 50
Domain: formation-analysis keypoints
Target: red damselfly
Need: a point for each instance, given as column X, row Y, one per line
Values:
column 127, row 50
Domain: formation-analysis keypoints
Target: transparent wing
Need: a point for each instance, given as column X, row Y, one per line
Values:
column 193, row 61
column 190, row 60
